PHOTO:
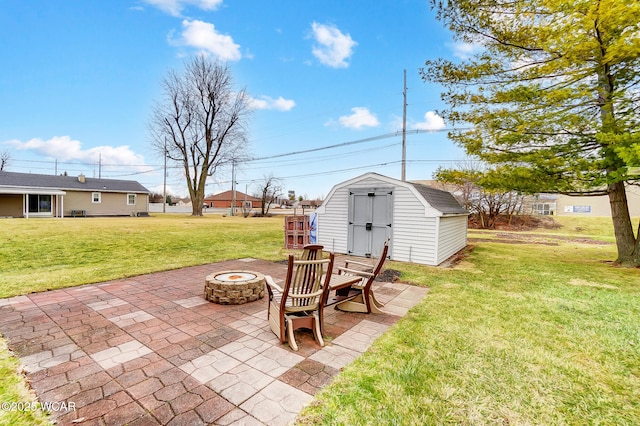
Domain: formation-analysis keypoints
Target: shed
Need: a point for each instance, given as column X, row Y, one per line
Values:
column 424, row 225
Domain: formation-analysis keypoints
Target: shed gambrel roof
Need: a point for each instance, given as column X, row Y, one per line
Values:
column 440, row 200
column 68, row 183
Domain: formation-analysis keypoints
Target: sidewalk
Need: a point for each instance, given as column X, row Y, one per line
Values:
column 150, row 350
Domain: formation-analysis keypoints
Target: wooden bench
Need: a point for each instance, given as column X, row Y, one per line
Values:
column 76, row 213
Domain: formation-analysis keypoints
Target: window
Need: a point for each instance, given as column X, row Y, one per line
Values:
column 39, row 203
column 96, row 197
column 131, row 199
column 544, row 208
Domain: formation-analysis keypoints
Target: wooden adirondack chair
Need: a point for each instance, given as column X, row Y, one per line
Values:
column 360, row 297
column 312, row 252
column 299, row 303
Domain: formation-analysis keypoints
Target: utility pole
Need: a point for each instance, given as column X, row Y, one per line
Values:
column 404, row 129
column 164, row 192
column 233, row 187
column 100, row 166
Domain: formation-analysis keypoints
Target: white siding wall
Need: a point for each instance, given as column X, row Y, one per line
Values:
column 414, row 234
column 452, row 236
column 333, row 223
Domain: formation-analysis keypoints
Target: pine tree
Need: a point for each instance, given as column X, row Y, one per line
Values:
column 552, row 96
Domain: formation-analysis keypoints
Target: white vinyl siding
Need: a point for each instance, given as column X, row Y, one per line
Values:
column 452, row 236
column 333, row 225
column 413, row 232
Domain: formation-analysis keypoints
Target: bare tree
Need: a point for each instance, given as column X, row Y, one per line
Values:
column 200, row 124
column 485, row 203
column 270, row 190
column 5, row 157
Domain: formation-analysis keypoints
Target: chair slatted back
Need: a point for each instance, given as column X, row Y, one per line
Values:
column 312, row 252
column 382, row 258
column 305, row 277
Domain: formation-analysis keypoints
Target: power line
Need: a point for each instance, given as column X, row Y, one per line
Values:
column 373, row 138
column 295, row 162
column 358, row 141
column 288, row 163
column 287, row 154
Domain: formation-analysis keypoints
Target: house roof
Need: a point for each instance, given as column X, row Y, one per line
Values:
column 228, row 196
column 10, row 180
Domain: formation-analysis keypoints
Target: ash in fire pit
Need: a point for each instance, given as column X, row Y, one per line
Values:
column 234, row 287
column 234, row 277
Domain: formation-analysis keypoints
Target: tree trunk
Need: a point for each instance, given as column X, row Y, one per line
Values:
column 197, row 200
column 627, row 243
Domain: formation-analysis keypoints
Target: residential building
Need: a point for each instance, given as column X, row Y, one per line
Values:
column 36, row 195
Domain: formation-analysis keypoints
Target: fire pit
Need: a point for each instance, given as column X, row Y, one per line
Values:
column 234, row 287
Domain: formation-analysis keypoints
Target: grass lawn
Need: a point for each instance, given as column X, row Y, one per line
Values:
column 45, row 254
column 536, row 330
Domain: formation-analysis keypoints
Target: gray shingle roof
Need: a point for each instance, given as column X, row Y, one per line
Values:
column 71, row 183
column 440, row 200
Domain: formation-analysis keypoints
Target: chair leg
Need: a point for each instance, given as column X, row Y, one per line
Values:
column 375, row 301
column 353, row 305
column 374, row 305
column 317, row 329
column 276, row 322
column 292, row 339
column 358, row 304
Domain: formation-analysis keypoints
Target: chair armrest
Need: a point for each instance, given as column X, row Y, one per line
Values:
column 355, row 272
column 271, row 283
column 355, row 262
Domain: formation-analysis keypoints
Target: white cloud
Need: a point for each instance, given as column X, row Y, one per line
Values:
column 203, row 35
column 65, row 149
column 361, row 117
column 465, row 50
column 266, row 102
column 333, row 47
column 432, row 121
column 175, row 7
column 159, row 189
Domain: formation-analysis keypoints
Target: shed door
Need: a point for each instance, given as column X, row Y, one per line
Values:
column 370, row 219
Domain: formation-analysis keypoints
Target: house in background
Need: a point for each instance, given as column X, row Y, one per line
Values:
column 423, row 224
column 309, row 204
column 34, row 195
column 574, row 205
column 225, row 200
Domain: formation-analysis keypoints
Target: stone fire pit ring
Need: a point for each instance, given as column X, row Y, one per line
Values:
column 234, row 287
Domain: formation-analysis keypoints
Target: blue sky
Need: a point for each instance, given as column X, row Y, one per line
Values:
column 80, row 78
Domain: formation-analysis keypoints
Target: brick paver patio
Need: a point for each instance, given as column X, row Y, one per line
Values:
column 151, row 350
